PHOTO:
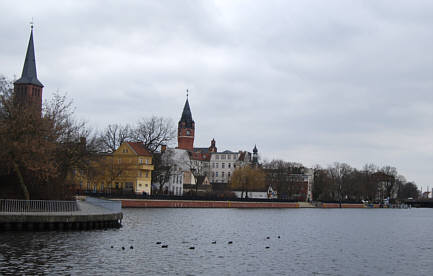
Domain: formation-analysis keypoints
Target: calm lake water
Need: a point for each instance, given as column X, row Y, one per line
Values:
column 312, row 242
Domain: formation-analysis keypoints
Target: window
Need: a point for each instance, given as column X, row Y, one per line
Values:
column 140, row 173
column 216, row 174
column 229, row 156
column 213, row 174
column 119, row 160
column 222, row 174
column 230, row 164
column 213, row 165
column 140, row 161
column 223, row 156
column 223, row 165
column 216, row 165
column 217, row 157
column 147, row 174
column 228, row 174
column 147, row 161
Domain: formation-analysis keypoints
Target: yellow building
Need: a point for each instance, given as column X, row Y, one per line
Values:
column 128, row 169
column 134, row 166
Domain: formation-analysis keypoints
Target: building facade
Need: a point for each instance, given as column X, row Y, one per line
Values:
column 127, row 170
column 222, row 164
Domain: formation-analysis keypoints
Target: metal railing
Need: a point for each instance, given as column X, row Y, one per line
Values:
column 16, row 205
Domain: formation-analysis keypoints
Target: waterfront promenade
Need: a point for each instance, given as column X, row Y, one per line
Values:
column 91, row 213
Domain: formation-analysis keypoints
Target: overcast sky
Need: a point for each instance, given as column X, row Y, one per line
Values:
column 314, row 82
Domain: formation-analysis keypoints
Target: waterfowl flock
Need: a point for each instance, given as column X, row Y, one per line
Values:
column 192, row 247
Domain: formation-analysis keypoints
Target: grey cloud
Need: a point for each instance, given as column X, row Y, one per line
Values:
column 311, row 81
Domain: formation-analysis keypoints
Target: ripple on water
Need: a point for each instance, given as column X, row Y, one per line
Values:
column 318, row 242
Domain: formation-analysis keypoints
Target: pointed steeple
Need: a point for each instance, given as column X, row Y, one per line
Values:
column 29, row 75
column 186, row 115
column 186, row 129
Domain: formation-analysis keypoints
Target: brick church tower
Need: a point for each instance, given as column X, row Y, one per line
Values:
column 28, row 89
column 185, row 129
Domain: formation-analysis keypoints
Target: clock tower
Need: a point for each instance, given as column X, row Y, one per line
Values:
column 185, row 129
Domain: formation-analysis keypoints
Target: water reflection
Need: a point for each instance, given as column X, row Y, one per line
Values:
column 318, row 242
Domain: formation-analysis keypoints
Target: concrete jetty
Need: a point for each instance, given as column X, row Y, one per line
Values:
column 90, row 213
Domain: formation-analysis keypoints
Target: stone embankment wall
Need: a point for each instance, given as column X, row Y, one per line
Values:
column 148, row 203
column 347, row 205
column 130, row 203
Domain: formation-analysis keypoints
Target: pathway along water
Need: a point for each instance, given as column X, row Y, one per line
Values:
column 312, row 242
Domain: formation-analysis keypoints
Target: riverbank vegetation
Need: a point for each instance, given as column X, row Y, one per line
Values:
column 341, row 182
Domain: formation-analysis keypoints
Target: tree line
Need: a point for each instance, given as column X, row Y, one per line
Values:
column 39, row 149
column 340, row 182
column 336, row 183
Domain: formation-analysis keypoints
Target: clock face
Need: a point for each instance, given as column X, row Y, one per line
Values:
column 188, row 132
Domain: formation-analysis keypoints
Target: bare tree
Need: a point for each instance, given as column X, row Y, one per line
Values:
column 196, row 167
column 164, row 167
column 409, row 190
column 387, row 176
column 114, row 135
column 369, row 184
column 337, row 173
column 284, row 177
column 154, row 132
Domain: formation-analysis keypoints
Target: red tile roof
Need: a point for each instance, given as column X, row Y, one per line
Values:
column 139, row 148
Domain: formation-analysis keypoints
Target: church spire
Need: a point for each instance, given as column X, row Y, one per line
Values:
column 28, row 89
column 29, row 75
